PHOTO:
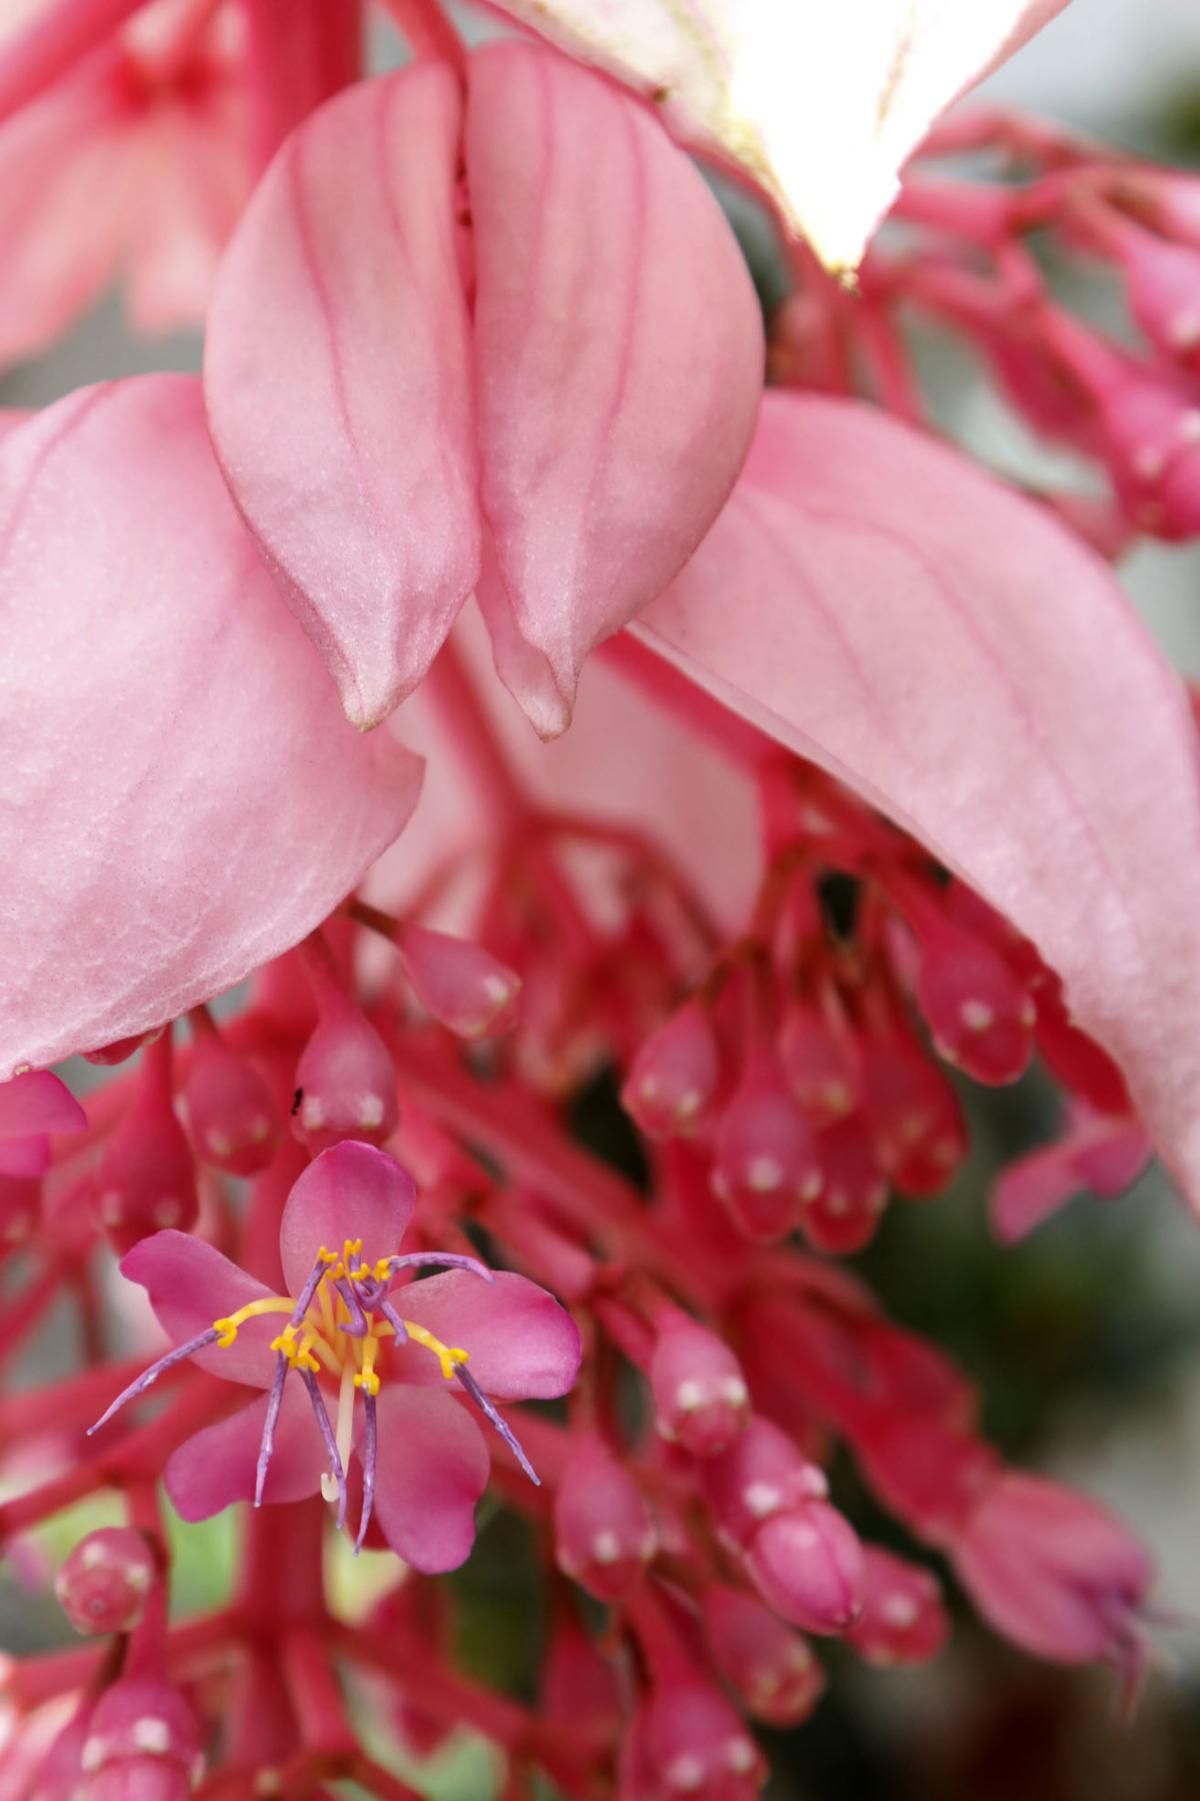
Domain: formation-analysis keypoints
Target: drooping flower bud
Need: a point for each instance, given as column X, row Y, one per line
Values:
column 980, row 1016
column 807, row 1563
column 104, row 1583
column 819, row 1065
column 143, row 1744
column 767, row 1663
column 20, row 1208
column 903, row 1619
column 701, row 1400
column 346, row 1084
column 760, row 1475
column 846, row 1213
column 687, row 1744
column 604, row 1530
column 676, row 1075
column 1054, row 1572
column 147, row 1177
column 914, row 1116
column 766, row 1167
column 229, row 1108
column 460, row 983
column 106, row 1056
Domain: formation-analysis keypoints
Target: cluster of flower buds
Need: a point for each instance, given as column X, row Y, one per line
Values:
column 793, row 1077
column 965, row 260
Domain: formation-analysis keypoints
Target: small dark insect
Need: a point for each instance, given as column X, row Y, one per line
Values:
column 296, row 1100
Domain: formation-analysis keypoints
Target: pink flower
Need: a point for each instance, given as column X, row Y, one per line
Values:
column 368, row 1359
column 136, row 165
column 1055, row 1572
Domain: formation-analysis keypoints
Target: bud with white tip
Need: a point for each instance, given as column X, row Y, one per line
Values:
column 104, row 1584
column 701, row 1400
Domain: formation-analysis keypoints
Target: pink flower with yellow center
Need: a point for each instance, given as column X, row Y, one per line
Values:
column 369, row 1352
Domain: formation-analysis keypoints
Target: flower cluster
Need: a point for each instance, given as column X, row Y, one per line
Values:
column 841, row 832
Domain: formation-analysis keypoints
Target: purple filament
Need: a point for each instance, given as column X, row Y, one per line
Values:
column 356, row 1325
column 371, row 1293
column 370, row 1439
column 330, row 1442
column 141, row 1383
column 489, row 1413
column 267, row 1444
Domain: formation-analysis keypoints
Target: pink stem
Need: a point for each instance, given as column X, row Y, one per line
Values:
column 299, row 52
column 472, row 741
column 427, row 30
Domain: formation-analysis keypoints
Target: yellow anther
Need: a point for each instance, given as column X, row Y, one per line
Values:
column 449, row 1356
column 366, row 1378
column 297, row 1351
column 324, row 1256
column 383, row 1269
column 228, row 1328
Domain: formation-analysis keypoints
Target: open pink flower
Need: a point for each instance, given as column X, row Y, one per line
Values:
column 368, row 1360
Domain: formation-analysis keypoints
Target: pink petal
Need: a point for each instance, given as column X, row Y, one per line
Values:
column 1105, row 1155
column 216, row 1467
column 150, row 623
column 619, row 346
column 952, row 653
column 339, row 387
column 190, row 1285
column 433, row 1467
column 38, row 1102
column 521, row 1343
column 351, row 1191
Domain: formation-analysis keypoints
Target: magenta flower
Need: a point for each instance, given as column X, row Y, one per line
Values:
column 369, row 1361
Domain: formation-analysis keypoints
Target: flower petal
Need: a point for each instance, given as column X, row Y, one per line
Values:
column 822, row 104
column 520, row 1342
column 433, row 1466
column 877, row 604
column 38, row 1102
column 619, row 350
column 216, row 1467
column 350, row 1191
column 190, row 1285
column 337, row 377
column 226, row 808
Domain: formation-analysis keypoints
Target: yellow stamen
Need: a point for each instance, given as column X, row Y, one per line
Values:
column 228, row 1328
column 367, row 1379
column 449, row 1356
column 298, row 1351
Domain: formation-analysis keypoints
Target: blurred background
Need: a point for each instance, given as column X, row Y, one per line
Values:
column 1085, row 1340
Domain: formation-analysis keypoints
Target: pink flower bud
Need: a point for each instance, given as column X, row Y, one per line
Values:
column 147, row 1177
column 819, row 1064
column 143, row 1744
column 700, row 1395
column 914, row 1115
column 761, row 1475
column 20, row 1209
column 854, row 1192
column 903, row 1619
column 687, row 1744
column 769, row 1665
column 807, row 1563
column 460, row 983
column 104, row 1583
column 346, row 1084
column 1164, row 291
column 1054, row 1572
column 981, row 1017
column 229, row 1107
column 603, row 1528
column 675, row 1075
column 766, row 1167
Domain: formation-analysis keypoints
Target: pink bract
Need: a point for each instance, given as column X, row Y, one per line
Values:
column 526, row 398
